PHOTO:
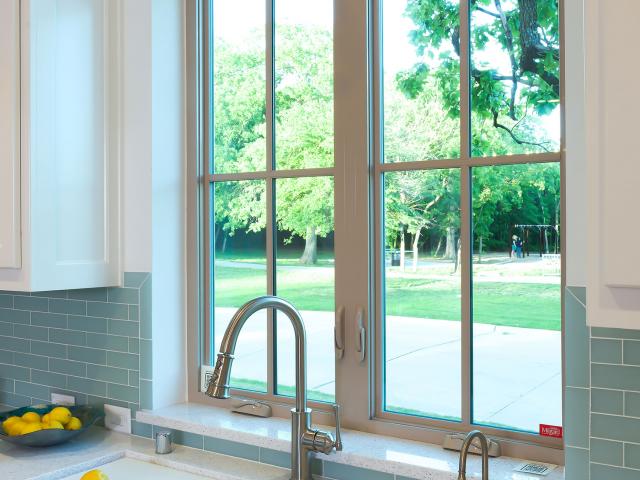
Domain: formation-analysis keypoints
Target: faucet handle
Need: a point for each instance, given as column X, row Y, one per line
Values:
column 338, row 415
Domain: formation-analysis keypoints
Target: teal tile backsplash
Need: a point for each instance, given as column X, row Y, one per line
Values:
column 85, row 343
column 603, row 442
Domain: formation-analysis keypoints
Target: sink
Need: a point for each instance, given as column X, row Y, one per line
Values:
column 131, row 469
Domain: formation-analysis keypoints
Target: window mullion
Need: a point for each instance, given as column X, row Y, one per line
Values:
column 465, row 214
column 270, row 193
column 207, row 168
column 352, row 202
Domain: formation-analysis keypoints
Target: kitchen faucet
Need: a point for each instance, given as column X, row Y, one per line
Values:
column 304, row 439
column 464, row 451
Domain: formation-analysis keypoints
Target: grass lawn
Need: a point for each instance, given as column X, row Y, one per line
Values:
column 526, row 305
column 286, row 390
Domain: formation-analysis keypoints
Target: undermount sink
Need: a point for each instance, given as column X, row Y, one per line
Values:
column 132, row 469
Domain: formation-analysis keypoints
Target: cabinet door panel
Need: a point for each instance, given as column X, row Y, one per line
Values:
column 73, row 162
column 10, row 251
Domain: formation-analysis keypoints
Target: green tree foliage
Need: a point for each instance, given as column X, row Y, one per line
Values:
column 525, row 33
column 420, row 207
column 303, row 126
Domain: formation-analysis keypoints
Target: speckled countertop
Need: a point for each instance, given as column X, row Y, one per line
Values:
column 376, row 452
column 99, row 446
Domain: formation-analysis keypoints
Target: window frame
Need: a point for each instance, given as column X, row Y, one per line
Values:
column 358, row 173
column 269, row 175
column 465, row 164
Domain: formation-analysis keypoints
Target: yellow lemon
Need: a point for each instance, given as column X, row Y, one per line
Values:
column 94, row 475
column 74, row 424
column 16, row 428
column 8, row 422
column 31, row 417
column 45, row 418
column 60, row 414
column 30, row 428
column 52, row 425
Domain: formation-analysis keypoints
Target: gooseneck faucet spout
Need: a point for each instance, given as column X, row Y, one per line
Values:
column 304, row 439
column 464, row 451
column 219, row 384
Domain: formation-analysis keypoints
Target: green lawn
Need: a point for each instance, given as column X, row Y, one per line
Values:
column 286, row 390
column 527, row 305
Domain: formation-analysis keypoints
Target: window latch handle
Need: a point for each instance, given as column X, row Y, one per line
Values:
column 361, row 335
column 338, row 333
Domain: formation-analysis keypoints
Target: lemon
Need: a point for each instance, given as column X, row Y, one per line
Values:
column 74, row 424
column 31, row 417
column 60, row 414
column 16, row 428
column 8, row 422
column 45, row 418
column 52, row 425
column 94, row 475
column 30, row 428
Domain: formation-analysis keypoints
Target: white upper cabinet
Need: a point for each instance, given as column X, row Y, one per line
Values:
column 613, row 158
column 10, row 255
column 59, row 207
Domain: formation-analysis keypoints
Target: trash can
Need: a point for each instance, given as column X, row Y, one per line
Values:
column 395, row 258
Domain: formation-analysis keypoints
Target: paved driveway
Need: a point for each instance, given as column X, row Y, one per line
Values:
column 517, row 371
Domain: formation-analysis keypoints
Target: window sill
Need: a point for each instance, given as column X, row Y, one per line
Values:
column 375, row 452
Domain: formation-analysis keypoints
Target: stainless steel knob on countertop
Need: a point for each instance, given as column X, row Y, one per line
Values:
column 163, row 443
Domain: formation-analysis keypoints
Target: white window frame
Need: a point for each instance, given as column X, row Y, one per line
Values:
column 357, row 175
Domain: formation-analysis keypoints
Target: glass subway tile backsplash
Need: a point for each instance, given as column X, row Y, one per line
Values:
column 84, row 343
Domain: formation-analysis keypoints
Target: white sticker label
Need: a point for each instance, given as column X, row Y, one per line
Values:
column 541, row 469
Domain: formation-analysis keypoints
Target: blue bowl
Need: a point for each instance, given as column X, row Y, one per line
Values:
column 47, row 438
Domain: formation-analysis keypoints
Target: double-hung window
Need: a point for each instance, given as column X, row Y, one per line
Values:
column 393, row 169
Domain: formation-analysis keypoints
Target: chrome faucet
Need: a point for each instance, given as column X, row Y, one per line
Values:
column 464, row 451
column 304, row 439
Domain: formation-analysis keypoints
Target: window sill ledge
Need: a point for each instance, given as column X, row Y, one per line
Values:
column 364, row 450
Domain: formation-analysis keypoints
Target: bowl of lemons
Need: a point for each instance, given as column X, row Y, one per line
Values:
column 46, row 425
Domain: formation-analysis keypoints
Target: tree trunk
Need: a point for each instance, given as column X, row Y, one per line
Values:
column 402, row 247
column 439, row 247
column 450, row 250
column 310, row 254
column 544, row 235
column 217, row 231
column 416, row 239
column 456, row 260
column 224, row 243
column 480, row 249
column 531, row 46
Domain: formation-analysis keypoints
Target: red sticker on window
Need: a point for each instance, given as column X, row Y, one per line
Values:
column 550, row 431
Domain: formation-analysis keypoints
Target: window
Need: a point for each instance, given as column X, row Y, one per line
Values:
column 396, row 164
column 271, row 175
column 469, row 281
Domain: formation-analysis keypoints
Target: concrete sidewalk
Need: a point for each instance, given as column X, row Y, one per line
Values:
column 517, row 371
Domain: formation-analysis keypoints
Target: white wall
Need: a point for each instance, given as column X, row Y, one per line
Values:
column 136, row 136
column 168, row 203
column 153, row 178
column 576, row 175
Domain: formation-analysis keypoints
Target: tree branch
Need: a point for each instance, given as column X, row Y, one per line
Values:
column 508, row 34
column 519, row 141
column 488, row 12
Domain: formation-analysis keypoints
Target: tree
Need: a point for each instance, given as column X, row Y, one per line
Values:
column 303, row 126
column 524, row 31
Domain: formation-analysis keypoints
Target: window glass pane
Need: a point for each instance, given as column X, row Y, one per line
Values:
column 515, row 69
column 517, row 355
column 420, row 80
column 304, row 83
column 422, row 303
column 240, row 274
column 239, row 85
column 306, row 277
